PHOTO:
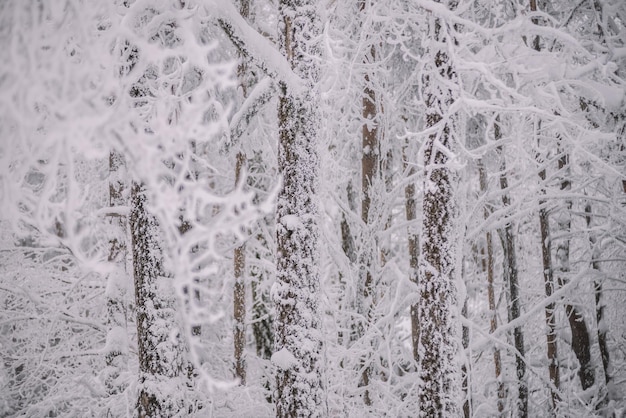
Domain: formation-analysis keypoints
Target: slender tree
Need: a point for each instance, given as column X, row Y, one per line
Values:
column 370, row 162
column 239, row 256
column 487, row 263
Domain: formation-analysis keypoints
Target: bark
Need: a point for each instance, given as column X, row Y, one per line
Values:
column 369, row 173
column 239, row 294
column 262, row 323
column 116, row 348
column 487, row 267
column 511, row 278
column 161, row 358
column 581, row 343
column 599, row 299
column 410, row 207
column 551, row 337
column 439, row 386
column 239, row 256
column 296, row 291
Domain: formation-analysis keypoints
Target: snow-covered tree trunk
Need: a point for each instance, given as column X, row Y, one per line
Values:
column 511, row 278
column 116, row 349
column 239, row 293
column 296, row 291
column 439, row 385
column 581, row 341
column 160, row 349
column 239, row 254
column 410, row 207
column 551, row 338
column 488, row 268
column 370, row 162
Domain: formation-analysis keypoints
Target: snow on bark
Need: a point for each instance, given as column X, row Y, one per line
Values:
column 296, row 291
column 160, row 352
column 439, row 384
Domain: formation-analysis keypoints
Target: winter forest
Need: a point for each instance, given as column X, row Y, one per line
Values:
column 312, row 208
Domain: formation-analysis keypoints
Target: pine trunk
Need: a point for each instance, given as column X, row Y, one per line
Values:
column 116, row 348
column 581, row 342
column 439, row 384
column 510, row 277
column 410, row 207
column 487, row 267
column 296, row 291
column 369, row 173
column 239, row 255
column 160, row 355
column 239, row 294
column 551, row 337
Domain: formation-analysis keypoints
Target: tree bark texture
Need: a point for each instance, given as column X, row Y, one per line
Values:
column 511, row 278
column 581, row 342
column 410, row 206
column 116, row 350
column 239, row 294
column 239, row 255
column 599, row 299
column 551, row 337
column 487, row 267
column 296, row 291
column 439, row 386
column 370, row 162
column 160, row 355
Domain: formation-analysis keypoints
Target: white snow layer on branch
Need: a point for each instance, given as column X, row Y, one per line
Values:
column 262, row 51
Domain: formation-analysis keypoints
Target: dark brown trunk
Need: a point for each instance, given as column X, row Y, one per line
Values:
column 510, row 277
column 413, row 241
column 369, row 171
column 438, row 387
column 581, row 343
column 239, row 256
column 160, row 356
column 487, row 267
column 239, row 293
column 551, row 337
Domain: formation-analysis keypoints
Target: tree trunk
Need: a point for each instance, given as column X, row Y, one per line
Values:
column 239, row 256
column 510, row 277
column 369, row 174
column 599, row 299
column 487, row 267
column 116, row 348
column 410, row 207
column 439, row 384
column 160, row 355
column 239, row 294
column 296, row 291
column 551, row 337
column 581, row 343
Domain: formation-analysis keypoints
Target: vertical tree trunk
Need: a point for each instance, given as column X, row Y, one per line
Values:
column 510, row 277
column 487, row 267
column 581, row 343
column 239, row 256
column 116, row 348
column 438, row 387
column 239, row 293
column 551, row 337
column 370, row 162
column 599, row 296
column 160, row 356
column 410, row 207
column 296, row 291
